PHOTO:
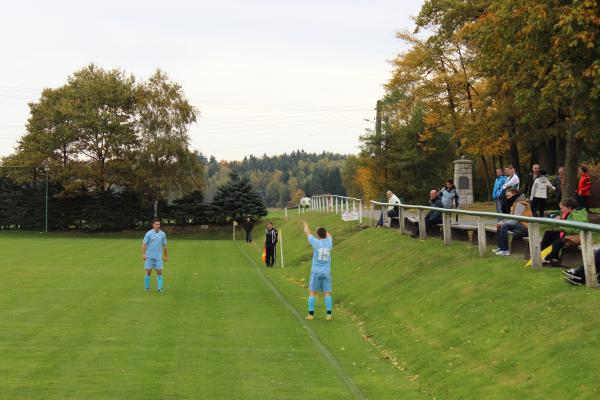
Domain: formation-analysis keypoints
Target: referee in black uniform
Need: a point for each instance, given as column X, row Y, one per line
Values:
column 271, row 244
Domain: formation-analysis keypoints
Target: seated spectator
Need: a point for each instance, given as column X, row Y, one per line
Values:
column 392, row 211
column 539, row 194
column 558, row 238
column 434, row 217
column 520, row 207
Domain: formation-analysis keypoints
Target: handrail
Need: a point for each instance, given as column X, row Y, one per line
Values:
column 587, row 226
column 585, row 232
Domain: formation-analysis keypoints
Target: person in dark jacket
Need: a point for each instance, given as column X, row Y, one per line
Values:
column 271, row 238
column 248, row 226
column 531, row 177
column 434, row 217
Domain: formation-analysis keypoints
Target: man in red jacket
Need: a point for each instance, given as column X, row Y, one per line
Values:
column 584, row 189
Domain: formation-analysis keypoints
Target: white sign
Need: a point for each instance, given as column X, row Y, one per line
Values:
column 350, row 216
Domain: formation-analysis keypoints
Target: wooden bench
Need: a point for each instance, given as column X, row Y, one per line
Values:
column 464, row 232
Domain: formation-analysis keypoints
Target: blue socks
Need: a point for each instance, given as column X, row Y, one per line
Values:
column 311, row 304
column 328, row 304
column 146, row 282
column 159, row 282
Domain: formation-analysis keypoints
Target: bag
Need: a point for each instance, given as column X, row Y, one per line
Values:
column 575, row 276
column 264, row 254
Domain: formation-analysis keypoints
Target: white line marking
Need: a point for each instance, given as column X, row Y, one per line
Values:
column 342, row 374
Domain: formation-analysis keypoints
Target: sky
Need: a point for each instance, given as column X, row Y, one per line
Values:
column 267, row 77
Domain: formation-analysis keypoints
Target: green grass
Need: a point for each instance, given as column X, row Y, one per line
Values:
column 413, row 320
column 459, row 325
column 76, row 324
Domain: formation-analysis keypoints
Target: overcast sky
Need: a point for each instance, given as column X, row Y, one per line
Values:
column 267, row 76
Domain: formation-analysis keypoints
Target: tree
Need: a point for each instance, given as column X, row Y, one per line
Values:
column 237, row 200
column 165, row 165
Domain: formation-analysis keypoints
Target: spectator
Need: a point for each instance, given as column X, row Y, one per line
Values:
column 248, row 226
column 584, row 189
column 559, row 182
column 558, row 238
column 507, row 203
column 434, row 217
column 449, row 195
column 539, row 194
column 520, row 207
column 498, row 191
column 513, row 179
column 392, row 211
column 531, row 177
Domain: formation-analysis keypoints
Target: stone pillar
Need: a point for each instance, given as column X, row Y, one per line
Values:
column 463, row 180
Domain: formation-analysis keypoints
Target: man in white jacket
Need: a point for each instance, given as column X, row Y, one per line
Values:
column 392, row 211
column 513, row 180
column 539, row 194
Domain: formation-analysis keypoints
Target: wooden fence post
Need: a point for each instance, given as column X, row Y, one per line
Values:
column 481, row 238
column 401, row 224
column 587, row 252
column 371, row 215
column 534, row 245
column 447, row 230
column 422, row 228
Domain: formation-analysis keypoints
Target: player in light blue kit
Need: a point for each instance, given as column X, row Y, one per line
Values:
column 155, row 242
column 320, row 274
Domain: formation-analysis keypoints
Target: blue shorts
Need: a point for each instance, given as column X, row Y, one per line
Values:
column 320, row 282
column 153, row 263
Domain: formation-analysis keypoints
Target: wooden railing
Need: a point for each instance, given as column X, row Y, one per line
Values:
column 585, row 231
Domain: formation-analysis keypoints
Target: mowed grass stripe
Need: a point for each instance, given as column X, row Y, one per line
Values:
column 76, row 324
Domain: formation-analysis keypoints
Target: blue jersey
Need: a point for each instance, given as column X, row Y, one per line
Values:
column 155, row 242
column 321, row 262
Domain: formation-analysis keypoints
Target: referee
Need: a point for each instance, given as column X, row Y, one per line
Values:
column 271, row 244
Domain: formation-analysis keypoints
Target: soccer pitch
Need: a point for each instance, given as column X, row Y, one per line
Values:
column 76, row 324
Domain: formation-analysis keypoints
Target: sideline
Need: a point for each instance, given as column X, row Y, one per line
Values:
column 342, row 374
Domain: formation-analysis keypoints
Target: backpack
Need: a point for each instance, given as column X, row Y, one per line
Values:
column 576, row 276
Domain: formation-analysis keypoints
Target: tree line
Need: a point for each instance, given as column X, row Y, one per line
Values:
column 114, row 151
column 281, row 180
column 501, row 82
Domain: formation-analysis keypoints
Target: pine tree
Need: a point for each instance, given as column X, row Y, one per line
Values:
column 237, row 199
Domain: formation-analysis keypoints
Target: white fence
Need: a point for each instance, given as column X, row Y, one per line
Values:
column 337, row 204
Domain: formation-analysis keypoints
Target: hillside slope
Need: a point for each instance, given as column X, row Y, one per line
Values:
column 459, row 325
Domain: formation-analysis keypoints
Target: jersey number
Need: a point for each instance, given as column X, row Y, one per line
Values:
column 323, row 254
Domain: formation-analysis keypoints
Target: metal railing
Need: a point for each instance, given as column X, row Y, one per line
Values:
column 337, row 204
column 301, row 210
column 585, row 231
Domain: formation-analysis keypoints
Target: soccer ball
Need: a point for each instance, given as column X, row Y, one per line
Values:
column 305, row 202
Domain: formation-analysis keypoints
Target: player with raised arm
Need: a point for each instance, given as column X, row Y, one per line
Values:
column 320, row 274
column 155, row 242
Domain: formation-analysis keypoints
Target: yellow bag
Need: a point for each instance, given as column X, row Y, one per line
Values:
column 543, row 254
column 264, row 255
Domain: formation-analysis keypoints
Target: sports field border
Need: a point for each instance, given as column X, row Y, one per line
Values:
column 341, row 373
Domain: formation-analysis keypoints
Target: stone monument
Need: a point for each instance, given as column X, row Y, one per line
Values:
column 463, row 180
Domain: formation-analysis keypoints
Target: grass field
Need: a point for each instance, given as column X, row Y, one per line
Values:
column 413, row 320
column 76, row 324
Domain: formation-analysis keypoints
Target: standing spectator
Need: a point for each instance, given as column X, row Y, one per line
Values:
column 248, row 226
column 531, row 177
column 392, row 211
column 449, row 195
column 271, row 244
column 557, row 238
column 539, row 194
column 584, row 189
column 498, row 192
column 520, row 207
column 559, row 183
column 434, row 217
column 513, row 179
